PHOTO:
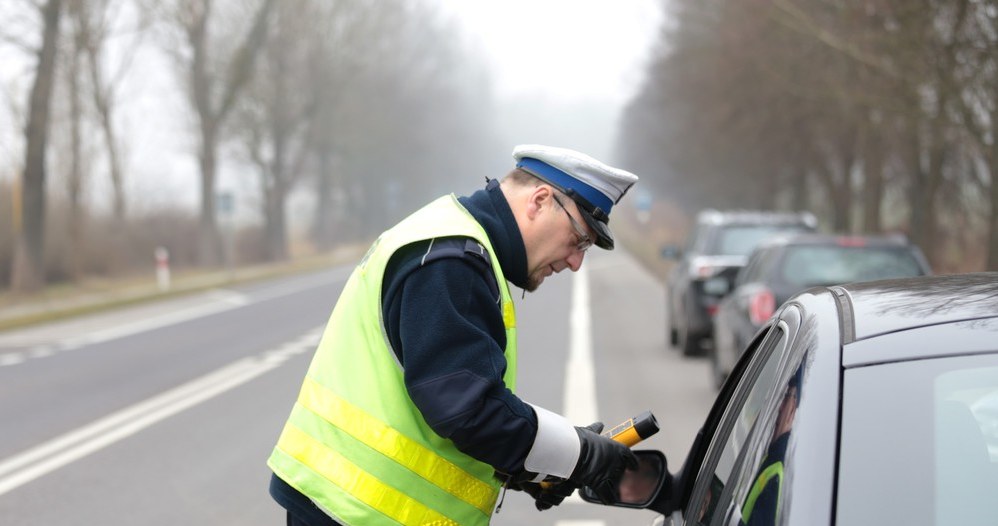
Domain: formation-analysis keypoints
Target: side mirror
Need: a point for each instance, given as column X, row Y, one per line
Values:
column 671, row 252
column 639, row 488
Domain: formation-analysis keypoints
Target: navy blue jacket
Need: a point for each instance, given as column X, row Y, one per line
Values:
column 452, row 351
column 765, row 510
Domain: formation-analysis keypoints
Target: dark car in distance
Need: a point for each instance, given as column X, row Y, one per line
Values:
column 717, row 248
column 867, row 403
column 783, row 266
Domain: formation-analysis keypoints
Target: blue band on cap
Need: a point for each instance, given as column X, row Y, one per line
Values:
column 562, row 179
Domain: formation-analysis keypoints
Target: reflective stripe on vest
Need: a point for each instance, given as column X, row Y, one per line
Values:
column 773, row 470
column 302, row 447
column 355, row 443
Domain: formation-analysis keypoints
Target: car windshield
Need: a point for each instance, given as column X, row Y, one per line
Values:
column 920, row 443
column 810, row 265
column 741, row 240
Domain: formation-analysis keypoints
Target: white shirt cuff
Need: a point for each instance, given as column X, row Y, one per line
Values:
column 556, row 447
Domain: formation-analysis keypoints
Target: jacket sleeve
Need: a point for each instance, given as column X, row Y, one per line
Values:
column 445, row 325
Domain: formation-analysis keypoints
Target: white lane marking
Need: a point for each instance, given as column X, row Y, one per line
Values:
column 580, row 378
column 225, row 300
column 579, row 523
column 12, row 358
column 41, row 351
column 28, row 465
column 320, row 280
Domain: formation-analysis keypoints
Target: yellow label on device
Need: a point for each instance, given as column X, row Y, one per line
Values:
column 628, row 437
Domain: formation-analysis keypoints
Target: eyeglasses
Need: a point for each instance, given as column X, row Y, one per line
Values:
column 584, row 241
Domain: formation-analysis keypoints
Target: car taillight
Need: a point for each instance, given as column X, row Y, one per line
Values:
column 850, row 241
column 761, row 306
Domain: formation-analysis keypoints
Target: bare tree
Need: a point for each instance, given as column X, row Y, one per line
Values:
column 73, row 56
column 96, row 19
column 977, row 106
column 335, row 66
column 275, row 117
column 29, row 261
column 867, row 98
column 215, row 81
column 395, row 104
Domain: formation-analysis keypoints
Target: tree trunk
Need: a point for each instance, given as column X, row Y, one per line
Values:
column 842, row 199
column 992, row 263
column 839, row 193
column 799, row 199
column 873, row 187
column 919, row 202
column 212, row 115
column 925, row 186
column 210, row 251
column 105, row 109
column 276, row 190
column 276, row 227
column 322, row 229
column 75, row 227
column 117, row 257
column 29, row 260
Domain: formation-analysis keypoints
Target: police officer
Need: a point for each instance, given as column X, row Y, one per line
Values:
column 408, row 412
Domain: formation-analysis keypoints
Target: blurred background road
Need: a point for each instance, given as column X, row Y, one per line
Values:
column 165, row 413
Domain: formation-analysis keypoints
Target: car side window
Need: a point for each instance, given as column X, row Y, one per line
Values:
column 732, row 436
column 758, row 488
column 751, row 270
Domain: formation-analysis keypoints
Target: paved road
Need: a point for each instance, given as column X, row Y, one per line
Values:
column 165, row 414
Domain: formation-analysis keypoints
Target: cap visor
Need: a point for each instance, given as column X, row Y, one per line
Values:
column 604, row 237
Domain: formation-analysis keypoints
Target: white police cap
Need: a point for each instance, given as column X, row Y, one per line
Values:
column 594, row 186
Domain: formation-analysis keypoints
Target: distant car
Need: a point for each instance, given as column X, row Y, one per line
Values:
column 718, row 246
column 868, row 403
column 784, row 266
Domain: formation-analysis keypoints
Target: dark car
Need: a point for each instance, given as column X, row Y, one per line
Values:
column 869, row 403
column 782, row 267
column 719, row 245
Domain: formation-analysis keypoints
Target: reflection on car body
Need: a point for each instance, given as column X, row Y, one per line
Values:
column 985, row 410
column 868, row 403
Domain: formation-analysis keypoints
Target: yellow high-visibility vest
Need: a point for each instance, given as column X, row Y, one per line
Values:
column 355, row 444
column 773, row 470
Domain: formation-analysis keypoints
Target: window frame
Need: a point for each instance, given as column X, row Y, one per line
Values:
column 778, row 339
column 744, row 471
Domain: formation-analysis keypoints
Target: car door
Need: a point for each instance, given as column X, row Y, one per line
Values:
column 720, row 488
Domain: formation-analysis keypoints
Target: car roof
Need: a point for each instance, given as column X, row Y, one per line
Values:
column 717, row 217
column 835, row 239
column 880, row 307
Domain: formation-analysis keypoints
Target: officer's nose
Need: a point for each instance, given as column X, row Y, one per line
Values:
column 575, row 260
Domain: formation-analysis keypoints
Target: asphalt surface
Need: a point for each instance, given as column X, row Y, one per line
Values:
column 165, row 413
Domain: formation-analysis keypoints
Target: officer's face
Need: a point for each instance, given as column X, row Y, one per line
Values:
column 560, row 239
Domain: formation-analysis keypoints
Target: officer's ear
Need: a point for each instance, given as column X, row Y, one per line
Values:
column 538, row 198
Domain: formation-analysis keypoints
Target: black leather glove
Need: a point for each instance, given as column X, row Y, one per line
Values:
column 548, row 497
column 601, row 463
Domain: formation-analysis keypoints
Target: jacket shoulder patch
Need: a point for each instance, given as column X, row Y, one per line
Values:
column 463, row 248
